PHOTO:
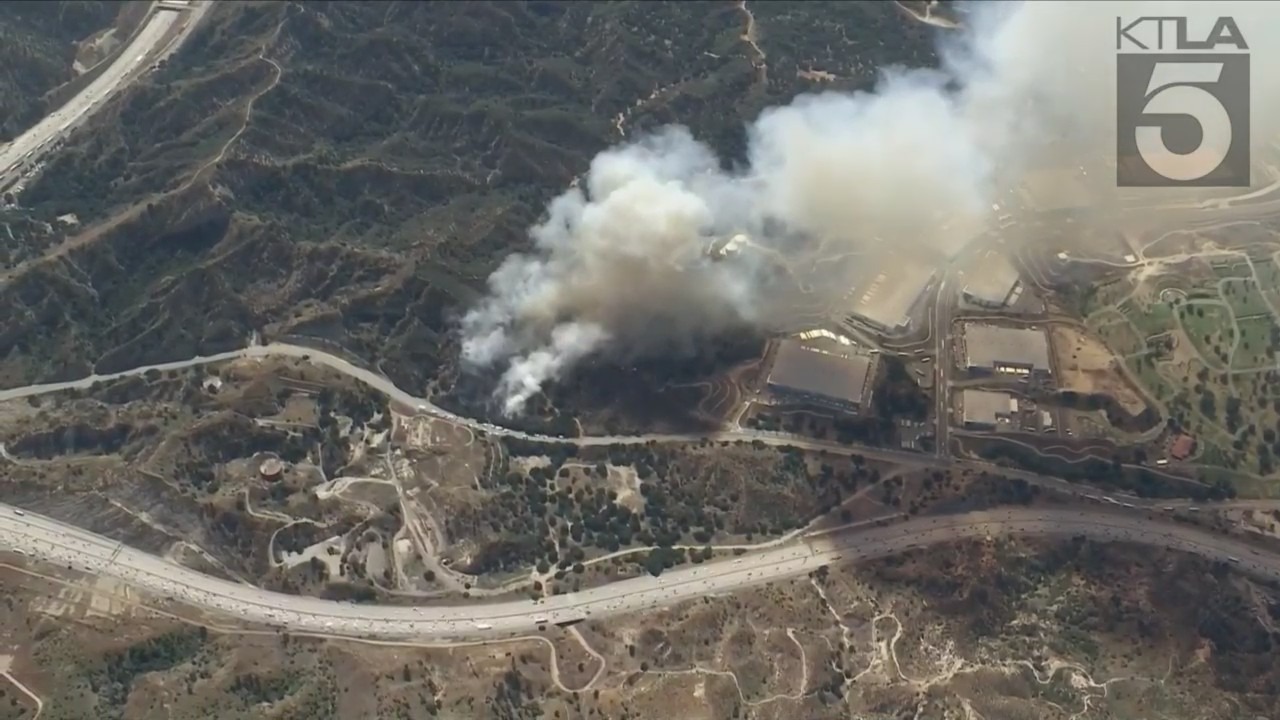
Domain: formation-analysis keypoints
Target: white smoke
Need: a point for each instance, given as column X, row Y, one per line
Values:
column 620, row 262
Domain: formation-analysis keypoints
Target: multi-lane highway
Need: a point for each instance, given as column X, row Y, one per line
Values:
column 1122, row 519
column 66, row 545
column 1116, row 517
column 23, row 152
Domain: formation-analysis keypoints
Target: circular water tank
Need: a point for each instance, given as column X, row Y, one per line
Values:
column 271, row 469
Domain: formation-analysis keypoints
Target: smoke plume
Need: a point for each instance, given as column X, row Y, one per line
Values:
column 620, row 264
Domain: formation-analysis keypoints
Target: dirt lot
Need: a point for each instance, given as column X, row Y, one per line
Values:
column 1085, row 365
column 443, row 454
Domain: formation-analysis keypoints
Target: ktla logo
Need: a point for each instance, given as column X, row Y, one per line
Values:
column 1182, row 104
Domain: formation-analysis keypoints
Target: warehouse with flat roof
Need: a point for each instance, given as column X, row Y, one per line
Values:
column 985, row 410
column 1006, row 350
column 992, row 281
column 889, row 299
column 806, row 375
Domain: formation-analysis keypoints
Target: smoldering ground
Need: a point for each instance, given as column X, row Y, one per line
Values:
column 619, row 264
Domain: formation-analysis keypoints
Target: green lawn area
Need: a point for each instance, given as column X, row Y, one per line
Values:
column 1254, row 350
column 1246, row 485
column 1245, row 298
column 1149, row 376
column 1151, row 319
column 1227, row 416
column 1208, row 325
column 1268, row 273
column 1232, row 270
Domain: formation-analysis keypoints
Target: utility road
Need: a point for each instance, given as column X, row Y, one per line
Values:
column 67, row 545
column 774, row 439
column 25, row 150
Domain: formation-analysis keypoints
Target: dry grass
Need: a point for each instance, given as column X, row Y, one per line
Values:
column 1085, row 365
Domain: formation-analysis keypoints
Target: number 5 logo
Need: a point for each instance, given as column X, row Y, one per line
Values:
column 1175, row 89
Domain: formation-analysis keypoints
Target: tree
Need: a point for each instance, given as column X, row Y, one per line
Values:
column 1208, row 405
column 654, row 564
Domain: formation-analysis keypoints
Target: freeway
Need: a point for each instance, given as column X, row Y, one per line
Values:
column 25, row 150
column 66, row 545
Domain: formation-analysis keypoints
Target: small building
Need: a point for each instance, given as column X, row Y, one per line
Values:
column 1182, row 447
column 986, row 410
column 1022, row 352
column 807, row 375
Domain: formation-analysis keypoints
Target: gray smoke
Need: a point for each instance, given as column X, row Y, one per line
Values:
column 620, row 263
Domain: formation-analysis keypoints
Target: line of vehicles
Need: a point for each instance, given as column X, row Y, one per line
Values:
column 1113, row 501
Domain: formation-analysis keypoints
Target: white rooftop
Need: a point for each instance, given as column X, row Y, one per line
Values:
column 888, row 298
column 987, row 407
column 986, row 346
column 991, row 278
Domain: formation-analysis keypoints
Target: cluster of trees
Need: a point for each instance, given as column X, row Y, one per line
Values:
column 237, row 436
column 1117, row 416
column 360, row 404
column 541, row 518
column 253, row 689
column 1239, row 410
column 77, row 438
column 113, row 681
column 1139, row 481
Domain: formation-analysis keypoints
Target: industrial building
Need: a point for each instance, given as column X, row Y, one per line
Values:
column 889, row 300
column 1021, row 352
column 807, row 375
column 985, row 410
column 993, row 282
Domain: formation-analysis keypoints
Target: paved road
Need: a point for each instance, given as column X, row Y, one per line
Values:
column 773, row 439
column 25, row 150
column 74, row 547
column 78, row 549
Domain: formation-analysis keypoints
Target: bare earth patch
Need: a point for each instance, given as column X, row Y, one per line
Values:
column 1085, row 365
